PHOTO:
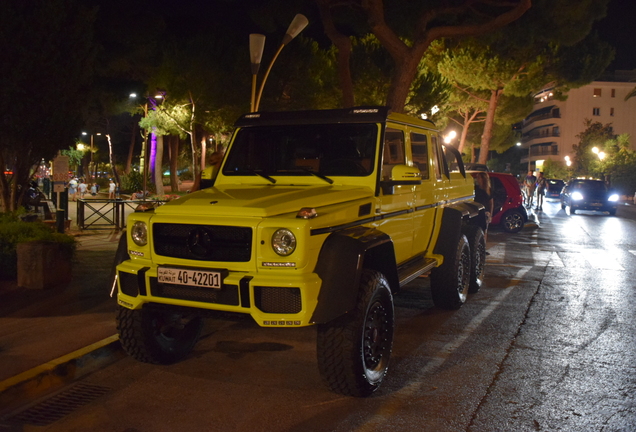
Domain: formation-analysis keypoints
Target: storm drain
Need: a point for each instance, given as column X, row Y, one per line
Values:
column 59, row 405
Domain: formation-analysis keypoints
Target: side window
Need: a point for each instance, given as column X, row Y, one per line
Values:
column 436, row 158
column 393, row 151
column 419, row 148
column 454, row 164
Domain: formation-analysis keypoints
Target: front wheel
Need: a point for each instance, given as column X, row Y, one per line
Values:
column 512, row 221
column 450, row 281
column 157, row 335
column 354, row 349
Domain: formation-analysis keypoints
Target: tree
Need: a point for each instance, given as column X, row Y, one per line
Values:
column 595, row 134
column 48, row 53
column 406, row 31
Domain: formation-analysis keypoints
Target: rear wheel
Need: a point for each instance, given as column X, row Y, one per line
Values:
column 477, row 245
column 450, row 281
column 354, row 349
column 512, row 221
column 157, row 335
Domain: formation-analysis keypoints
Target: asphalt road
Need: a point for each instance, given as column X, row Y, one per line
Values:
column 548, row 344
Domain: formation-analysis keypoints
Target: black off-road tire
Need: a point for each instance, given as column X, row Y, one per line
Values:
column 477, row 245
column 158, row 335
column 612, row 212
column 450, row 281
column 354, row 349
column 512, row 221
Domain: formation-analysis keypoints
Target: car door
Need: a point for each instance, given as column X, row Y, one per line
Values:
column 425, row 194
column 396, row 206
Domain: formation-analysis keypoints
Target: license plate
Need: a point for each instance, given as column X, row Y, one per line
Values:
column 191, row 277
column 597, row 205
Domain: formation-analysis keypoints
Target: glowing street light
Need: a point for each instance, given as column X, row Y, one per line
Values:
column 257, row 43
column 450, row 136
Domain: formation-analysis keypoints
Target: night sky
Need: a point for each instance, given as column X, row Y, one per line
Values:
column 618, row 28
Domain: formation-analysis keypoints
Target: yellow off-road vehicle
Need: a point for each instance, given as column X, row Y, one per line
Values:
column 316, row 218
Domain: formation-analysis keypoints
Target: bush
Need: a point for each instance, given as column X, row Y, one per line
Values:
column 13, row 231
column 133, row 182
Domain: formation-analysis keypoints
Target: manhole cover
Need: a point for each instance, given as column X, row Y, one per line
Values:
column 59, row 405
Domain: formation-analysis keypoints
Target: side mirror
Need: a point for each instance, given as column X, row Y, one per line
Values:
column 401, row 175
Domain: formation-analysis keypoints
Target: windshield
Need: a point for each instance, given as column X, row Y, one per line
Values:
column 323, row 149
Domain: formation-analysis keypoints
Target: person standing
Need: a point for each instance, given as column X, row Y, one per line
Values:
column 542, row 184
column 483, row 195
column 72, row 188
column 111, row 189
column 529, row 184
column 82, row 187
column 94, row 189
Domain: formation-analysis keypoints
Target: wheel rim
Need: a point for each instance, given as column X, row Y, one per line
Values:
column 513, row 222
column 376, row 340
column 463, row 275
column 480, row 261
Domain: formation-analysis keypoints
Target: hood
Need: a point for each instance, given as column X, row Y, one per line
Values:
column 264, row 201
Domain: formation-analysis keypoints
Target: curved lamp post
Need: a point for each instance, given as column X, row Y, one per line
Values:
column 257, row 43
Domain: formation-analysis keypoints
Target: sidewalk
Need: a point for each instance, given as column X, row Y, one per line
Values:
column 48, row 338
column 39, row 326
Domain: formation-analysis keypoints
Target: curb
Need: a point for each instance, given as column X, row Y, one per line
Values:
column 33, row 384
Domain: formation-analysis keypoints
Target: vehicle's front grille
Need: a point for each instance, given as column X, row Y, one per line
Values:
column 227, row 295
column 278, row 299
column 203, row 242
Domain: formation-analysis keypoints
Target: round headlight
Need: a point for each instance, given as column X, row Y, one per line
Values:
column 577, row 196
column 283, row 242
column 139, row 234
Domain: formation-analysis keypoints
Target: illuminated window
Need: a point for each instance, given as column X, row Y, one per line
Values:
column 596, row 111
column 597, row 92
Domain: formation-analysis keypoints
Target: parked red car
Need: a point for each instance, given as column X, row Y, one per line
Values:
column 509, row 211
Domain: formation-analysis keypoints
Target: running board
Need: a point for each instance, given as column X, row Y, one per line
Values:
column 414, row 268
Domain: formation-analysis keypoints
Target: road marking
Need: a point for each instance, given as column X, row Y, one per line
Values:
column 601, row 259
column 405, row 395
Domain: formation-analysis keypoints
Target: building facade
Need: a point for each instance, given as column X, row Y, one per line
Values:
column 550, row 131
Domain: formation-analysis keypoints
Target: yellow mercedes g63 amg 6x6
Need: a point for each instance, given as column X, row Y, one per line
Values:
column 315, row 218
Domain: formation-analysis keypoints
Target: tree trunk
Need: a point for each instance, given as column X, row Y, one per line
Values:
column 401, row 81
column 174, row 160
column 131, row 148
column 343, row 46
column 158, row 166
column 484, row 148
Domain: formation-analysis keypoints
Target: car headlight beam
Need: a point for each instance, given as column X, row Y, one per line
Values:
column 613, row 198
column 139, row 234
column 577, row 196
column 284, row 242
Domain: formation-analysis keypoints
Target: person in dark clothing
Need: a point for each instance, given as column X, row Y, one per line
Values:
column 483, row 196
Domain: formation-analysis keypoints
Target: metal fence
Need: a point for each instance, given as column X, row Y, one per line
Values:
column 100, row 213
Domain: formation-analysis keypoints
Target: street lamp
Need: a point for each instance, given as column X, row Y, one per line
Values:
column 450, row 136
column 257, row 43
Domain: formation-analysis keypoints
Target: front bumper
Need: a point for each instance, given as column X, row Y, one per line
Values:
column 272, row 298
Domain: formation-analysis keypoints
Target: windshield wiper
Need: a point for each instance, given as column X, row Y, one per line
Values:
column 315, row 174
column 265, row 176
